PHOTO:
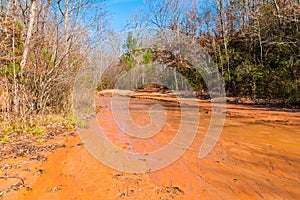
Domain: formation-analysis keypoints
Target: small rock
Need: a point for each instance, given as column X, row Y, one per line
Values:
column 41, row 171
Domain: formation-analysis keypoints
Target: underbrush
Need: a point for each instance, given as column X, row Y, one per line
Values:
column 12, row 126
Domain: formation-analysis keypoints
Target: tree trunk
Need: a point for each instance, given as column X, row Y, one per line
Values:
column 66, row 31
column 29, row 34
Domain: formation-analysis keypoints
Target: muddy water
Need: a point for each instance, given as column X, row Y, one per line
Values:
column 256, row 157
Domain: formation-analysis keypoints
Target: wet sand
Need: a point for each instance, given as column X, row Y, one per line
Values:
column 256, row 157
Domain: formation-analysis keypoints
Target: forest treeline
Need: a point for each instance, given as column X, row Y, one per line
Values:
column 255, row 43
column 43, row 43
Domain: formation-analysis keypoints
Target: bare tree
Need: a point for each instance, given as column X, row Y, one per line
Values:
column 44, row 63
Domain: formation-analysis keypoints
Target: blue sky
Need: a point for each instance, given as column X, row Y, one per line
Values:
column 121, row 12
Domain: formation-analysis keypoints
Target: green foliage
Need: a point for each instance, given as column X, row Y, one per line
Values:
column 5, row 139
column 36, row 130
column 267, row 69
column 129, row 62
column 46, row 54
column 81, row 123
column 41, row 141
column 71, row 122
column 148, row 56
column 131, row 42
column 16, row 127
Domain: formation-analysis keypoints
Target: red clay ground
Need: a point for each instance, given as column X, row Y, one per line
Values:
column 256, row 157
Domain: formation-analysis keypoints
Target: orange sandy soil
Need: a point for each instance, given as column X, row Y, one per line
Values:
column 257, row 157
